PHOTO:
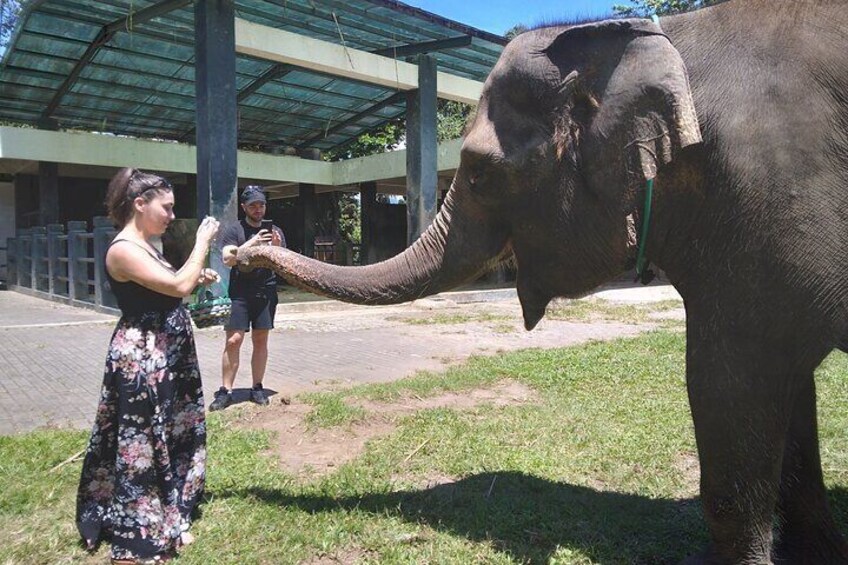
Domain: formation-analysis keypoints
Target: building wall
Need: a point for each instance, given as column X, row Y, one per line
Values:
column 7, row 221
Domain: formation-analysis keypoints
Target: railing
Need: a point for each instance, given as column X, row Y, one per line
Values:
column 64, row 265
column 337, row 252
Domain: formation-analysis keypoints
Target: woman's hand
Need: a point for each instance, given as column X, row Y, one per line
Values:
column 208, row 276
column 208, row 230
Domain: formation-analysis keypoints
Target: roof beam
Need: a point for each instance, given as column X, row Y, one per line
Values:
column 111, row 151
column 104, row 36
column 27, row 144
column 281, row 46
column 393, row 99
column 425, row 47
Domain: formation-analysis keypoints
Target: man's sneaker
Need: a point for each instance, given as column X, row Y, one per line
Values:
column 258, row 395
column 223, row 398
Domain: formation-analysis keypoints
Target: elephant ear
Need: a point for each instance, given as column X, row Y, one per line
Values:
column 643, row 112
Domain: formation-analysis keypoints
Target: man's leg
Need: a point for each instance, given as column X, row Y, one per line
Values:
column 262, row 325
column 259, row 360
column 231, row 358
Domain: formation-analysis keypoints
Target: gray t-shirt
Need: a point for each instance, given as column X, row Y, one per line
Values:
column 258, row 280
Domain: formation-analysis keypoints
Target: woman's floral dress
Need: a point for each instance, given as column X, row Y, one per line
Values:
column 144, row 469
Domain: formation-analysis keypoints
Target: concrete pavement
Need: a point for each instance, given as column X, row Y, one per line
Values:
column 52, row 355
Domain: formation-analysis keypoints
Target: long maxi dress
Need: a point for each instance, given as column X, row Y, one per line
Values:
column 145, row 466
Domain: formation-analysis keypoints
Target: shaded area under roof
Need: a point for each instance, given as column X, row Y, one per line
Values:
column 133, row 74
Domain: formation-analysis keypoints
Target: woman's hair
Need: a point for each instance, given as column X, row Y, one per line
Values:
column 127, row 185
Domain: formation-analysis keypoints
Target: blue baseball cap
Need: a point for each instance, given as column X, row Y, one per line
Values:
column 252, row 193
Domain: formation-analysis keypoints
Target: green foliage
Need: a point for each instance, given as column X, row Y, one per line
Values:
column 515, row 31
column 645, row 8
column 349, row 217
column 379, row 140
column 451, row 118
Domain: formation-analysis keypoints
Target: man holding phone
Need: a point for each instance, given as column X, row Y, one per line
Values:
column 253, row 296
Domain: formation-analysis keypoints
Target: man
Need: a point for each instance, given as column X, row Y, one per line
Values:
column 253, row 296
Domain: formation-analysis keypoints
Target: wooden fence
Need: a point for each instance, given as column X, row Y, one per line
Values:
column 66, row 264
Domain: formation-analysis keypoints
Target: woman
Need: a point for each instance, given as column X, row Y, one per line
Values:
column 144, row 469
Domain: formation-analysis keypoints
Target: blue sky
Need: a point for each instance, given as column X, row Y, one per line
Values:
column 497, row 16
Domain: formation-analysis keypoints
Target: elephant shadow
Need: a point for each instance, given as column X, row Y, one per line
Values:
column 531, row 518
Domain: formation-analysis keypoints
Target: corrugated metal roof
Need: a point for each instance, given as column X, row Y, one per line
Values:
column 140, row 82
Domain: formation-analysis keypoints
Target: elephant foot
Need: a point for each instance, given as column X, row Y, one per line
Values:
column 825, row 548
column 710, row 557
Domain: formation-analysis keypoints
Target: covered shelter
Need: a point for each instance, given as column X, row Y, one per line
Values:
column 218, row 94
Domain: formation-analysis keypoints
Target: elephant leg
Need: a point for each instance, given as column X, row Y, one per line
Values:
column 808, row 534
column 740, row 412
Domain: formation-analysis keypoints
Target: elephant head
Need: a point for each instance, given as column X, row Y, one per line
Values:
column 570, row 124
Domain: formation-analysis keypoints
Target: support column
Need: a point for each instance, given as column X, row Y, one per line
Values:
column 48, row 183
column 23, row 252
column 310, row 214
column 104, row 233
column 421, row 154
column 54, row 266
column 367, row 201
column 38, row 258
column 77, row 270
column 48, row 193
column 217, row 129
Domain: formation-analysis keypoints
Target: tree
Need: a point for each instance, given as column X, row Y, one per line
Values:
column 515, row 31
column 644, row 8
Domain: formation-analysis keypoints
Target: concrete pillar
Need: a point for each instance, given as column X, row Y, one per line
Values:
column 104, row 231
column 77, row 269
column 48, row 193
column 55, row 268
column 22, row 252
column 37, row 256
column 367, row 201
column 12, row 260
column 421, row 151
column 309, row 205
column 217, row 128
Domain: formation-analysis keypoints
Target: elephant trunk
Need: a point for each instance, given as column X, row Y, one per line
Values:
column 459, row 245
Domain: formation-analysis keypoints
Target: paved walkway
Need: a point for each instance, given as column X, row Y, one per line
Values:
column 52, row 356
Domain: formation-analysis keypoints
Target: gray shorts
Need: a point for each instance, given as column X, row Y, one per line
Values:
column 255, row 311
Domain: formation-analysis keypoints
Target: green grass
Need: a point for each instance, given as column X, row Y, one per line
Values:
column 330, row 410
column 592, row 471
column 594, row 309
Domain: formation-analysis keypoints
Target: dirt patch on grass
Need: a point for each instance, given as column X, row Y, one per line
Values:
column 690, row 468
column 347, row 556
column 304, row 451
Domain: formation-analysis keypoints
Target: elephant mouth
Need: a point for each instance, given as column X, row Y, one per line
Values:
column 534, row 300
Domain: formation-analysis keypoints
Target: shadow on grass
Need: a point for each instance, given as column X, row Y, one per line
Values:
column 529, row 517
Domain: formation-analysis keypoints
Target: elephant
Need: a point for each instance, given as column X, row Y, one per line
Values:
column 730, row 124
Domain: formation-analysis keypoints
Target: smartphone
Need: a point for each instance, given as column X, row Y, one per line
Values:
column 269, row 226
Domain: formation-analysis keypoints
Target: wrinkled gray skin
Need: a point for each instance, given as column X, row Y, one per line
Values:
column 750, row 225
